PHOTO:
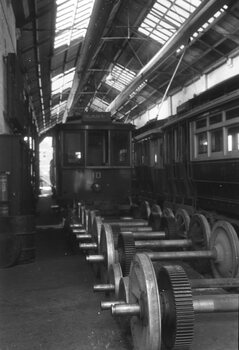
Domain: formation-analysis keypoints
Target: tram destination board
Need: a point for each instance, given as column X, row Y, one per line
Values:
column 95, row 117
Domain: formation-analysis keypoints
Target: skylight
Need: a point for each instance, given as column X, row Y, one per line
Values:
column 99, row 104
column 120, row 77
column 62, row 81
column 59, row 84
column 72, row 19
column 166, row 17
column 57, row 109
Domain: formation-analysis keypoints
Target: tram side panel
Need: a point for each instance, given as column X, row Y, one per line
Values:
column 200, row 159
column 215, row 159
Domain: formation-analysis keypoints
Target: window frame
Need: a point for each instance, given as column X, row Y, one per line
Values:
column 129, row 148
column 223, row 125
column 107, row 151
column 65, row 162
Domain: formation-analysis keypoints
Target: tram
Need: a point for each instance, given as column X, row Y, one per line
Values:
column 191, row 160
column 93, row 162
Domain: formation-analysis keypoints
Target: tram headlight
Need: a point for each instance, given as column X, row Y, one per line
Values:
column 96, row 187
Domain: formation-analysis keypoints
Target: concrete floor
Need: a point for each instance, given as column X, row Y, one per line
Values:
column 49, row 304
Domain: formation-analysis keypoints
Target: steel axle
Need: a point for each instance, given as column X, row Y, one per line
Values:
column 82, row 237
column 178, row 243
column 88, row 246
column 103, row 288
column 106, row 305
column 162, row 306
column 95, row 258
column 78, row 231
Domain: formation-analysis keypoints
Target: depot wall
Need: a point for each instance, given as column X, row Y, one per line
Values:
column 7, row 45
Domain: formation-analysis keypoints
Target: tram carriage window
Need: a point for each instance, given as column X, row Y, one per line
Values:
column 137, row 153
column 202, row 143
column 202, row 123
column 175, row 145
column 217, row 118
column 178, row 144
column 74, row 148
column 97, row 147
column 120, row 148
column 216, row 135
column 143, row 152
column 153, row 152
column 233, row 139
column 217, row 140
column 155, row 158
column 167, row 148
column 232, row 113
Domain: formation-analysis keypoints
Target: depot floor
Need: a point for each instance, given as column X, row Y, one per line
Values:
column 49, row 304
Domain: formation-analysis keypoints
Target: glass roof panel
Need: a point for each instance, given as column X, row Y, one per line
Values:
column 119, row 77
column 160, row 8
column 57, row 109
column 166, row 17
column 59, row 2
column 144, row 31
column 63, row 17
column 160, row 40
column 98, row 104
column 180, row 11
column 68, row 14
column 165, row 31
column 176, row 16
column 151, row 18
column 64, row 7
column 166, row 3
column 161, row 35
column 62, row 81
column 167, row 25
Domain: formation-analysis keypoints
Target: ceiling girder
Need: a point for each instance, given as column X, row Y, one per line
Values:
column 181, row 37
column 102, row 15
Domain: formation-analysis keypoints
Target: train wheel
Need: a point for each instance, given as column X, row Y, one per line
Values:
column 225, row 241
column 170, row 227
column 167, row 212
column 200, row 232
column 183, row 222
column 145, row 210
column 115, row 275
column 96, row 229
column 107, row 249
column 155, row 218
column 124, row 322
column 143, row 290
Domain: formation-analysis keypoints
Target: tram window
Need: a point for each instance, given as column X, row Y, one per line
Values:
column 202, row 143
column 120, row 148
column 232, row 113
column 233, row 139
column 202, row 123
column 137, row 153
column 217, row 118
column 216, row 140
column 74, row 148
column 97, row 147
